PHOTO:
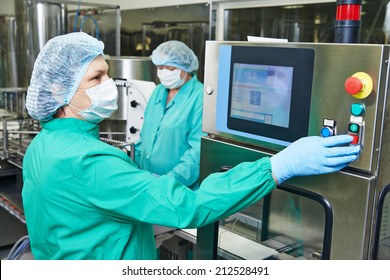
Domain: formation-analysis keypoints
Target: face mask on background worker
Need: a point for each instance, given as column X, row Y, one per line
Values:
column 104, row 98
column 170, row 78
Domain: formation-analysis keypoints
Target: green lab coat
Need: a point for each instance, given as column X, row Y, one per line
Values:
column 171, row 133
column 84, row 199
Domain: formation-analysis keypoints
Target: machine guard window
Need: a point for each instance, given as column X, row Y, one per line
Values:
column 265, row 236
column 314, row 197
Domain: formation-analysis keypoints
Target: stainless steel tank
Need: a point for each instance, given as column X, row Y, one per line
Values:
column 126, row 68
column 47, row 21
column 12, row 98
column 37, row 22
column 8, row 52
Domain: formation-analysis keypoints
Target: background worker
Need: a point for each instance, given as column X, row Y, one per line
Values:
column 172, row 128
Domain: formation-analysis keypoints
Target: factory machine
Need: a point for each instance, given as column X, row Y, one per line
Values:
column 259, row 98
column 135, row 78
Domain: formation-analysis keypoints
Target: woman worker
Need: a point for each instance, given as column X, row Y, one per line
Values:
column 84, row 199
column 172, row 128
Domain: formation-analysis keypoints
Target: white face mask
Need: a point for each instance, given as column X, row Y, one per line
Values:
column 170, row 78
column 104, row 98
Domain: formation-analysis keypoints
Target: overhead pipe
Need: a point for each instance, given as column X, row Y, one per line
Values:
column 348, row 21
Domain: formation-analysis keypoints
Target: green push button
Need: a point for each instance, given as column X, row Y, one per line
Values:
column 358, row 109
column 353, row 127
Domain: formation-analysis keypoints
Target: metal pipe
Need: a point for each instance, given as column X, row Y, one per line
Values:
column 23, row 132
column 112, row 132
column 17, row 152
column 5, row 139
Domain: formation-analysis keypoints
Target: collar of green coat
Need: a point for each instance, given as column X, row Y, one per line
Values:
column 71, row 125
column 181, row 95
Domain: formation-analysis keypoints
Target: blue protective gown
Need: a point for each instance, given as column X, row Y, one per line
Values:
column 84, row 199
column 171, row 133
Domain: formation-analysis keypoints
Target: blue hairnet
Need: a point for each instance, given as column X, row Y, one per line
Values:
column 176, row 54
column 58, row 71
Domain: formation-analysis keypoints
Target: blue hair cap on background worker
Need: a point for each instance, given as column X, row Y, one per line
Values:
column 176, row 54
column 52, row 85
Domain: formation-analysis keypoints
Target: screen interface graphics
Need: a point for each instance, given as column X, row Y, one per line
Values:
column 262, row 93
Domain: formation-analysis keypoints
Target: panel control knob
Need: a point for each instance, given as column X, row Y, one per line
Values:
column 133, row 130
column 134, row 103
column 209, row 89
column 327, row 132
column 359, row 85
column 358, row 109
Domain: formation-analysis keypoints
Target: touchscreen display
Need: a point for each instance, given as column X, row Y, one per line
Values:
column 262, row 93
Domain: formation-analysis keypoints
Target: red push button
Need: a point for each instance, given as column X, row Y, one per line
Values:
column 355, row 139
column 353, row 85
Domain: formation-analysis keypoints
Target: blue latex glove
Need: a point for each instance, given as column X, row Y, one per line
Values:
column 313, row 155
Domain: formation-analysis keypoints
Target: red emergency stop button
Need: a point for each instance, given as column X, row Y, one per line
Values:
column 355, row 139
column 353, row 85
column 359, row 85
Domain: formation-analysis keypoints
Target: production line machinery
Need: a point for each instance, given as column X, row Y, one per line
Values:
column 259, row 98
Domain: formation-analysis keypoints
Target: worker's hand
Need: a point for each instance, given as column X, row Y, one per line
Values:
column 313, row 155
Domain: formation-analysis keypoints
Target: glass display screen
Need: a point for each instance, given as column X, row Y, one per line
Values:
column 267, row 92
column 262, row 93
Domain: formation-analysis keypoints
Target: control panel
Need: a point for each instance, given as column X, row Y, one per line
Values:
column 360, row 86
column 268, row 95
column 137, row 95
